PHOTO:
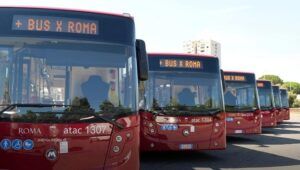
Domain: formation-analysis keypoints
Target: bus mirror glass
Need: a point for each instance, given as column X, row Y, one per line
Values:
column 223, row 81
column 142, row 60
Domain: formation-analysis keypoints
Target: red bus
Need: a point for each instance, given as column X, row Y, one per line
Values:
column 278, row 103
column 267, row 105
column 241, row 103
column 68, row 89
column 183, row 104
column 285, row 104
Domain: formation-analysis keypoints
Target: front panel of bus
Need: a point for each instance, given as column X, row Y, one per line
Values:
column 285, row 104
column 267, row 105
column 241, row 103
column 68, row 90
column 184, row 105
column 278, row 103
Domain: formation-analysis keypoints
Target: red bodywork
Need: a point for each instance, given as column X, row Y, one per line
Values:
column 269, row 118
column 280, row 115
column 286, row 115
column 243, row 123
column 205, row 132
column 78, row 145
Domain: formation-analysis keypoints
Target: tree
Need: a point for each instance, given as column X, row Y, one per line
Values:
column 293, row 87
column 296, row 103
column 273, row 78
column 292, row 98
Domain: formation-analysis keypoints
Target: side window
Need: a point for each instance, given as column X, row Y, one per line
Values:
column 5, row 56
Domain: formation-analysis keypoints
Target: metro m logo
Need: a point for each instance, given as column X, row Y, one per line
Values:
column 51, row 155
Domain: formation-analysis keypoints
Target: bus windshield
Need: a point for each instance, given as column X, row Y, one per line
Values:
column 265, row 98
column 240, row 97
column 190, row 92
column 86, row 76
column 284, row 98
column 277, row 98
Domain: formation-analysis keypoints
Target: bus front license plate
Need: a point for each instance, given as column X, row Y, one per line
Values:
column 169, row 127
column 238, row 131
column 186, row 146
column 229, row 119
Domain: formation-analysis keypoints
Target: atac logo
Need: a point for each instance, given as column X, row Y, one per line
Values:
column 51, row 155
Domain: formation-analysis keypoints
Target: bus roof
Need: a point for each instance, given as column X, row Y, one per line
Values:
column 264, row 80
column 68, row 9
column 179, row 54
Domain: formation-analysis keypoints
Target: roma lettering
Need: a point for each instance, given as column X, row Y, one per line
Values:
column 30, row 131
column 192, row 64
column 82, row 28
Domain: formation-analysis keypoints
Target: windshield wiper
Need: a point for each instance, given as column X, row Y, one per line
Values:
column 240, row 108
column 210, row 112
column 266, row 107
column 12, row 106
column 95, row 115
column 120, row 126
column 215, row 111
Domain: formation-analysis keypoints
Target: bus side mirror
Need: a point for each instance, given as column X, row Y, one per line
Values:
column 223, row 80
column 142, row 60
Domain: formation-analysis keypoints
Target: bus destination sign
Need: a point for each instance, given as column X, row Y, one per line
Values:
column 260, row 84
column 234, row 78
column 176, row 63
column 54, row 24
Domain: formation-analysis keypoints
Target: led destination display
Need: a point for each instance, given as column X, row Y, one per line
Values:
column 54, row 24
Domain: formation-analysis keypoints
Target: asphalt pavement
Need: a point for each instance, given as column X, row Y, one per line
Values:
column 276, row 148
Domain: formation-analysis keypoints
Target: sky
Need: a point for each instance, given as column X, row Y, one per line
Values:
column 260, row 36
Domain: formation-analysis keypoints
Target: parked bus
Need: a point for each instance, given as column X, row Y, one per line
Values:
column 241, row 103
column 285, row 104
column 183, row 108
column 267, row 105
column 278, row 103
column 68, row 89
